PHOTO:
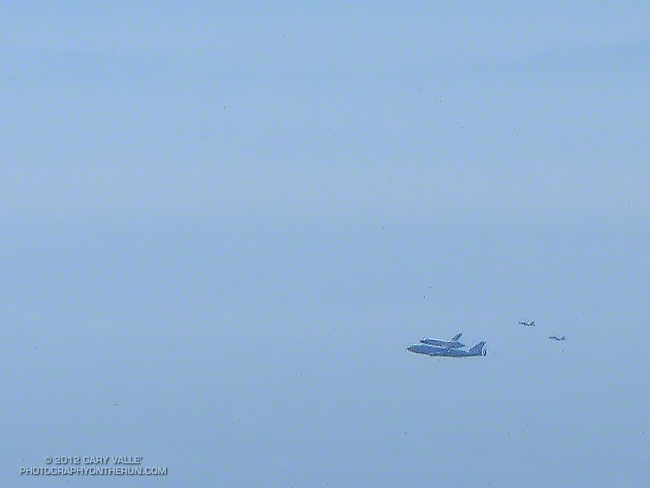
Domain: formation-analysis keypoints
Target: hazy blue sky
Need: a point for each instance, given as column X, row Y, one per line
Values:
column 221, row 225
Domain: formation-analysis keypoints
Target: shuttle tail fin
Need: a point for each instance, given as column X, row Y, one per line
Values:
column 456, row 337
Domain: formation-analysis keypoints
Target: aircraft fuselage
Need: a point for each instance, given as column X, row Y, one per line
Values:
column 430, row 350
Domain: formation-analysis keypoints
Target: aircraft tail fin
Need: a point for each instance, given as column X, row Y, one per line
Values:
column 456, row 337
column 478, row 348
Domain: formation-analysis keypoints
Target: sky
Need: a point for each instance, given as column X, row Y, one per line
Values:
column 222, row 223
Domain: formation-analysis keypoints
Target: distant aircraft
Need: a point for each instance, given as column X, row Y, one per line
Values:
column 556, row 338
column 528, row 324
column 452, row 343
column 477, row 350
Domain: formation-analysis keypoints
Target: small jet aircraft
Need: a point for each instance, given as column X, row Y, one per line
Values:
column 528, row 324
column 477, row 350
column 556, row 338
column 452, row 343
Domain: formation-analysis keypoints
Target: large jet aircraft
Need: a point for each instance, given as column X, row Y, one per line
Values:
column 528, row 324
column 477, row 350
column 452, row 343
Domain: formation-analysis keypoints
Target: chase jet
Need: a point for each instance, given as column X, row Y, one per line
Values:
column 477, row 350
column 556, row 338
column 452, row 343
column 528, row 324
